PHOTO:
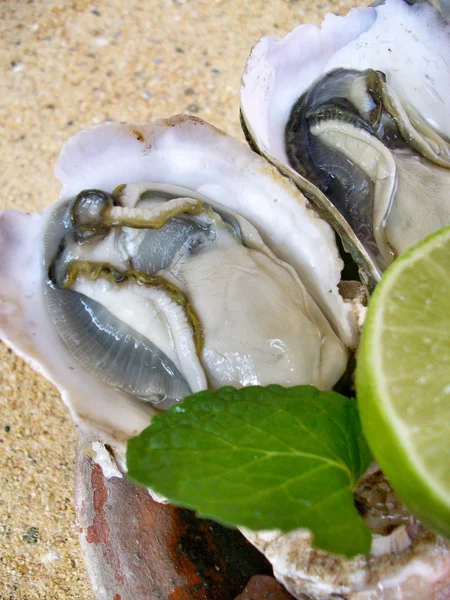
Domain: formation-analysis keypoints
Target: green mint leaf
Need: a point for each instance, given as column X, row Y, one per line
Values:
column 262, row 458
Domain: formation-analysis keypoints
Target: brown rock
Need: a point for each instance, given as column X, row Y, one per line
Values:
column 138, row 549
column 263, row 587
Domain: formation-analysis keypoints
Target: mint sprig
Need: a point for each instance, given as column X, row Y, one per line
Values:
column 262, row 458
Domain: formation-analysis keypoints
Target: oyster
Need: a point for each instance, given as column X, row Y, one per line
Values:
column 175, row 259
column 356, row 112
column 162, row 270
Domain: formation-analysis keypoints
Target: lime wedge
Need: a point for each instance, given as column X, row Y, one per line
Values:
column 403, row 379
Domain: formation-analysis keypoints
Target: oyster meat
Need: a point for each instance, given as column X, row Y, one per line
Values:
column 357, row 113
column 176, row 259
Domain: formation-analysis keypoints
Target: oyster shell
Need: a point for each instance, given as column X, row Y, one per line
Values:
column 126, row 296
column 221, row 197
column 356, row 112
column 418, row 571
column 406, row 562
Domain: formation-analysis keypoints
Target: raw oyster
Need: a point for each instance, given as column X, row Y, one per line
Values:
column 128, row 292
column 357, row 112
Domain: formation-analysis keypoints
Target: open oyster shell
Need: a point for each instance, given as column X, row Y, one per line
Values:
column 411, row 569
column 207, row 261
column 357, row 112
column 406, row 562
column 96, row 253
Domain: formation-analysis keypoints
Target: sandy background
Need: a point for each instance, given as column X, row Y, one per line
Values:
column 66, row 66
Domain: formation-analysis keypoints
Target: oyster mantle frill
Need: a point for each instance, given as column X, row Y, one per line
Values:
column 175, row 259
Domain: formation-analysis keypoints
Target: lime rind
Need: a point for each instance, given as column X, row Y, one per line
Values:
column 387, row 434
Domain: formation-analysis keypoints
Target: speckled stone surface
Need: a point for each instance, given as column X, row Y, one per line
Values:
column 65, row 66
